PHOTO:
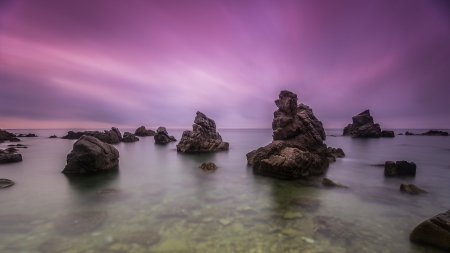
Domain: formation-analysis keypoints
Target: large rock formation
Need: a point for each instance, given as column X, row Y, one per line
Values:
column 141, row 131
column 89, row 155
column 297, row 149
column 363, row 126
column 162, row 136
column 9, row 155
column 6, row 136
column 434, row 231
column 109, row 136
column 399, row 168
column 203, row 138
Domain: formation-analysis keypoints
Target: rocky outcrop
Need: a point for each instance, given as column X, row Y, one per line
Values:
column 27, row 135
column 297, row 149
column 330, row 183
column 363, row 126
column 9, row 155
column 434, row 231
column 203, row 137
column 208, row 166
column 89, row 155
column 408, row 133
column 141, row 131
column 109, row 136
column 412, row 189
column 6, row 136
column 389, row 134
column 399, row 168
column 162, row 136
column 129, row 137
column 430, row 133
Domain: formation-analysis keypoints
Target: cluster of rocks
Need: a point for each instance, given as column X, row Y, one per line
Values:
column 203, row 137
column 7, row 136
column 109, row 136
column 9, row 155
column 297, row 149
column 399, row 168
column 364, row 126
column 27, row 135
column 162, row 136
column 430, row 133
column 141, row 131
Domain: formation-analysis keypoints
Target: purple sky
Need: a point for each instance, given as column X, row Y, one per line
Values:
column 155, row 63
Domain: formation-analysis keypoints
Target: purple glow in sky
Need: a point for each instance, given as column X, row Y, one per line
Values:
column 155, row 63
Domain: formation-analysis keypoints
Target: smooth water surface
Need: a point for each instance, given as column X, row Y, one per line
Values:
column 162, row 193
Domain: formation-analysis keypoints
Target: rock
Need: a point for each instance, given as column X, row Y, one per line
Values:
column 129, row 137
column 399, row 168
column 89, row 155
column 5, row 183
column 363, row 126
column 203, row 137
column 75, row 223
column 434, row 231
column 435, row 133
column 162, row 136
column 5, row 135
column 9, row 156
column 332, row 227
column 329, row 183
column 14, row 139
column 117, row 132
column 410, row 188
column 53, row 136
column 141, row 131
column 409, row 133
column 306, row 203
column 400, row 134
column 297, row 149
column 27, row 135
column 389, row 134
column 208, row 166
column 112, row 136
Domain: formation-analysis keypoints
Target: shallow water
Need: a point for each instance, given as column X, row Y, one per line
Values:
column 162, row 193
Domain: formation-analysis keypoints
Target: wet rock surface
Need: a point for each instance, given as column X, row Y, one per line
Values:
column 9, row 155
column 162, row 136
column 91, row 155
column 129, row 137
column 141, row 131
column 412, row 189
column 5, row 183
column 363, row 126
column 297, row 149
column 399, row 168
column 203, row 137
column 109, row 136
column 434, row 231
column 208, row 166
column 75, row 223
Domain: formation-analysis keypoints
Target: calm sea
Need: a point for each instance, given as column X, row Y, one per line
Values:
column 165, row 203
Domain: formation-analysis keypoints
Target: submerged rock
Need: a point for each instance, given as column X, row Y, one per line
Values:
column 329, row 183
column 306, row 203
column 162, row 136
column 331, row 226
column 208, row 166
column 5, row 183
column 75, row 223
column 410, row 188
column 129, row 137
column 91, row 155
column 9, row 156
column 434, row 231
column 141, row 131
column 109, row 136
column 399, row 168
column 389, row 134
column 297, row 149
column 203, row 137
column 363, row 126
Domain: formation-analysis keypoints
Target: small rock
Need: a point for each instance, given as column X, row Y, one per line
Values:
column 53, row 136
column 410, row 188
column 389, row 134
column 208, row 166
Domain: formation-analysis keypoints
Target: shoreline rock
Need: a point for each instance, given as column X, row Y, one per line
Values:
column 141, row 131
column 399, row 168
column 9, row 155
column 363, row 126
column 297, row 149
column 434, row 231
column 203, row 137
column 162, row 136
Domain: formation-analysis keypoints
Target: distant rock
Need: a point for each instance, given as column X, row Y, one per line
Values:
column 208, row 166
column 89, row 155
column 435, row 133
column 5, row 183
column 109, row 136
column 203, row 137
column 434, row 231
column 363, row 126
column 162, row 136
column 400, row 134
column 14, row 139
column 141, row 131
column 53, row 136
column 329, row 183
column 129, row 137
column 410, row 188
column 409, row 133
column 389, row 134
column 6, row 136
column 9, row 156
column 27, row 135
column 297, row 149
column 399, row 168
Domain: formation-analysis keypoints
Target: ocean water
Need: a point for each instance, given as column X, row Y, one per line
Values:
column 165, row 203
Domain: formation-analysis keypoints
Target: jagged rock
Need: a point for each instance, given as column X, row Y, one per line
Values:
column 363, row 126
column 109, row 136
column 5, row 183
column 89, row 154
column 389, row 134
column 75, row 223
column 203, row 138
column 410, row 188
column 297, row 149
column 329, row 183
column 141, row 131
column 162, row 136
column 9, row 156
column 434, row 231
column 53, row 136
column 399, row 168
column 208, row 166
column 129, row 137
column 5, row 135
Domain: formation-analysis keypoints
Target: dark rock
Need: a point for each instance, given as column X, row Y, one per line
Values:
column 109, row 136
column 129, row 137
column 75, row 223
column 399, row 168
column 162, row 136
column 208, row 166
column 14, row 139
column 27, row 135
column 435, row 133
column 53, row 136
column 434, row 231
column 5, row 135
column 390, row 134
column 297, row 149
column 400, row 134
column 363, row 126
column 203, row 137
column 333, row 227
column 409, row 133
column 5, row 183
column 306, row 203
column 410, row 188
column 329, row 183
column 9, row 156
column 89, row 154
column 117, row 132
column 141, row 131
